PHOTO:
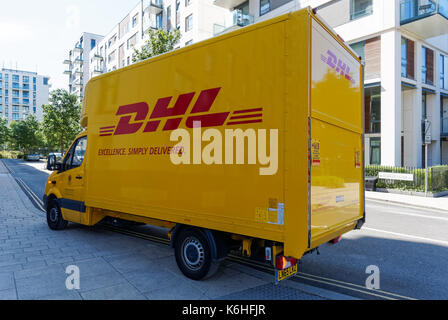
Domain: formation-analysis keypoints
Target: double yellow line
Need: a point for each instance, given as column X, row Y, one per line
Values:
column 300, row 275
column 33, row 197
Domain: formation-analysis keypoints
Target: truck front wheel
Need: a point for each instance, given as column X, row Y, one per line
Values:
column 193, row 254
column 54, row 217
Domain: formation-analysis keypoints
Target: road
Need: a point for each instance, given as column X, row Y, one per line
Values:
column 408, row 245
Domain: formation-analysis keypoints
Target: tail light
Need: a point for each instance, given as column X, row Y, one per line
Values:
column 282, row 262
column 336, row 240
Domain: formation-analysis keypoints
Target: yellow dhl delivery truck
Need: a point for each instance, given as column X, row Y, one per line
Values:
column 251, row 140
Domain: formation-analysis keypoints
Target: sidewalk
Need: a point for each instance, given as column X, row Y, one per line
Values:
column 414, row 201
column 33, row 262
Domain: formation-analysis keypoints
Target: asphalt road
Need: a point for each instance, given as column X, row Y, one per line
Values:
column 408, row 245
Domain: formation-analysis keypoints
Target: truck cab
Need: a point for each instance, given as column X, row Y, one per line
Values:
column 65, row 189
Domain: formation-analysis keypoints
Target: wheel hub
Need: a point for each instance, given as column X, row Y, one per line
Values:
column 53, row 215
column 193, row 253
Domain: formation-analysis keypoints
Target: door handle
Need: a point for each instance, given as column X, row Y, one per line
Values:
column 79, row 177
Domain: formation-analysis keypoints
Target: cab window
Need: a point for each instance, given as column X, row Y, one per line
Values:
column 75, row 155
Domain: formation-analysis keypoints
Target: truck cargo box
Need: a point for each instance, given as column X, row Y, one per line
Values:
column 290, row 77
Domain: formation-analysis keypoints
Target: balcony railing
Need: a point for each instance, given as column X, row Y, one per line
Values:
column 242, row 19
column 411, row 10
column 361, row 13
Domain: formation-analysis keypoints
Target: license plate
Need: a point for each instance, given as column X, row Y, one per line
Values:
column 285, row 273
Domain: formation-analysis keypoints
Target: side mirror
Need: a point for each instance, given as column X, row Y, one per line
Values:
column 52, row 164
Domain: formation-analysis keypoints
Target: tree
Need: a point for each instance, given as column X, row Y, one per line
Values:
column 26, row 135
column 160, row 41
column 61, row 121
column 4, row 132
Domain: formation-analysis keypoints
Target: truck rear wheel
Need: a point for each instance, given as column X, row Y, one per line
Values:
column 193, row 254
column 54, row 217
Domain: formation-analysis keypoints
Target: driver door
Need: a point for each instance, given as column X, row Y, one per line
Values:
column 72, row 180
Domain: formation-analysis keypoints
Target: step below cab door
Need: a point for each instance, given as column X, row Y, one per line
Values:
column 71, row 181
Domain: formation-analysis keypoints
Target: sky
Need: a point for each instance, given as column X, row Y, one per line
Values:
column 36, row 35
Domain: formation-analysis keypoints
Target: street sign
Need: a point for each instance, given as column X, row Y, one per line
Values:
column 427, row 131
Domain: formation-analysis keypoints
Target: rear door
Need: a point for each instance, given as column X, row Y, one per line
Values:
column 336, row 125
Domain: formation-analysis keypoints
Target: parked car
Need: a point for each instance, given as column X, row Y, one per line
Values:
column 32, row 157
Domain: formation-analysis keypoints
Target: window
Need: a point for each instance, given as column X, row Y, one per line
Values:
column 25, row 101
column 15, row 85
column 92, row 44
column 26, row 79
column 111, row 56
column 407, row 58
column 189, row 23
column 6, row 92
column 134, row 21
column 159, row 22
column 187, row 3
column 45, row 81
column 375, row 151
column 442, row 71
column 168, row 18
column 15, row 116
column 15, row 78
column 15, row 93
column 265, row 7
column 16, row 100
column 360, row 8
column 15, row 108
column 26, row 94
column 75, row 155
column 26, row 86
column 427, row 66
column 34, row 80
column 424, row 114
column 189, row 42
column 6, row 77
column 132, row 41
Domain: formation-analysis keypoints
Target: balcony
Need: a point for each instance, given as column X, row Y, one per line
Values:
column 67, row 72
column 66, row 61
column 78, row 49
column 240, row 19
column 97, row 71
column 444, row 127
column 426, row 18
column 98, row 57
column 78, row 61
column 153, row 7
column 228, row 4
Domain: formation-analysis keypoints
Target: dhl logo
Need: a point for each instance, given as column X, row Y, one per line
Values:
column 133, row 116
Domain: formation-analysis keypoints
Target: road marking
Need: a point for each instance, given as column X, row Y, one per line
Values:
column 357, row 285
column 386, row 203
column 417, row 215
column 445, row 243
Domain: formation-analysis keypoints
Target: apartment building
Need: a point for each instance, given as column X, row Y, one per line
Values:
column 404, row 45
column 194, row 18
column 78, row 63
column 22, row 93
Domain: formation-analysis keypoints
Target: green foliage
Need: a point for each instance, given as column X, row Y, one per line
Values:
column 160, row 41
column 61, row 119
column 26, row 134
column 4, row 132
column 7, row 154
column 437, row 178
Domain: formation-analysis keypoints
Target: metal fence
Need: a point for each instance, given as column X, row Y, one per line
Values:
column 437, row 178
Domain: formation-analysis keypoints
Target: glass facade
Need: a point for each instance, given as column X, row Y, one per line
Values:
column 375, row 151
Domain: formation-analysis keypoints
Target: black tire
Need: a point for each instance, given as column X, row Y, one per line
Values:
column 54, row 217
column 193, row 254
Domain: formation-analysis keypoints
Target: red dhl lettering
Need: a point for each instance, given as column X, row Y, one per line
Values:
column 133, row 117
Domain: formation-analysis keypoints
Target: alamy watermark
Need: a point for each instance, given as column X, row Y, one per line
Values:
column 229, row 149
column 73, row 281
